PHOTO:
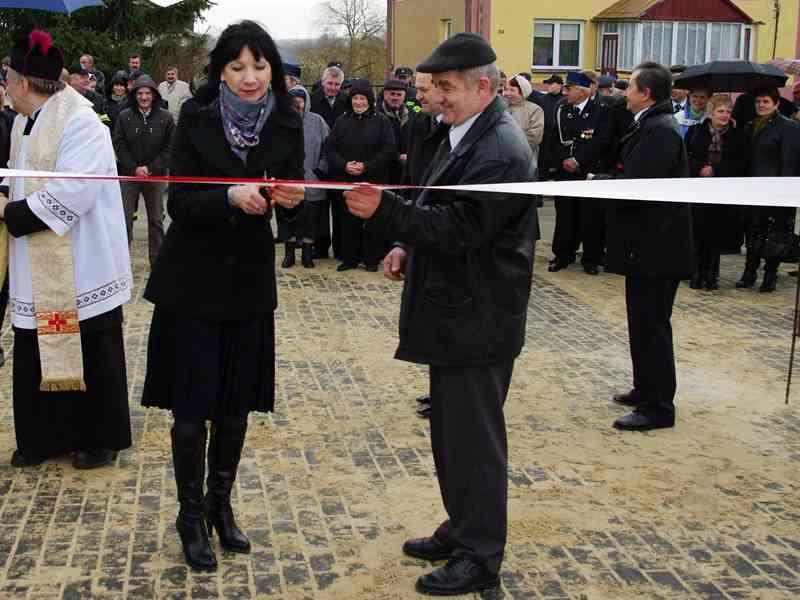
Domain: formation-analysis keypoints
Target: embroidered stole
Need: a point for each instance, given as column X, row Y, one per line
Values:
column 51, row 260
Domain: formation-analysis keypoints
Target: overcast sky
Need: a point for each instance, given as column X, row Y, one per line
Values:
column 284, row 19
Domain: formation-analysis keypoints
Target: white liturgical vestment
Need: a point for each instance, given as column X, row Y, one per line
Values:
column 90, row 211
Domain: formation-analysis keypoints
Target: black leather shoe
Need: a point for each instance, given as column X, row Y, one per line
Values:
column 429, row 548
column 638, row 421
column 426, row 399
column 769, row 283
column 424, row 412
column 93, row 459
column 557, row 265
column 307, row 256
column 289, row 258
column 460, row 575
column 20, row 460
column 591, row 269
column 747, row 280
column 696, row 282
column 631, row 398
column 712, row 284
column 345, row 267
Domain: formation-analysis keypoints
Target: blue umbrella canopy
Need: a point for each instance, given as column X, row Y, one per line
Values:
column 59, row 6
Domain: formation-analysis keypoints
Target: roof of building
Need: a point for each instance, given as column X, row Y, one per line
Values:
column 674, row 10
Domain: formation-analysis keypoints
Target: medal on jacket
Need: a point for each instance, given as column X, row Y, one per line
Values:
column 587, row 134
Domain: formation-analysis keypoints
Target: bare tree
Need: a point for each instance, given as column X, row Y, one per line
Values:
column 359, row 23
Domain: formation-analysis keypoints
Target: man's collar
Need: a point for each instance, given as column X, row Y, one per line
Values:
column 637, row 117
column 582, row 105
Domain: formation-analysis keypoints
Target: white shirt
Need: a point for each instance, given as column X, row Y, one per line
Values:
column 91, row 211
column 457, row 132
column 582, row 105
column 639, row 114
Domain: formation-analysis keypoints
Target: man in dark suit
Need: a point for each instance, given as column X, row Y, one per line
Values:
column 468, row 278
column 427, row 132
column 548, row 101
column 330, row 103
column 650, row 243
column 581, row 140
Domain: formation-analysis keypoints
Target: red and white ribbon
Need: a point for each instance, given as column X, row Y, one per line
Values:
column 741, row 191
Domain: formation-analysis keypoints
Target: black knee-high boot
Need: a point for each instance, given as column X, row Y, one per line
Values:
column 188, row 456
column 224, row 453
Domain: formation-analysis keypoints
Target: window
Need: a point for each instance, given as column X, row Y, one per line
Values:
column 557, row 44
column 657, row 42
column 678, row 42
column 445, row 29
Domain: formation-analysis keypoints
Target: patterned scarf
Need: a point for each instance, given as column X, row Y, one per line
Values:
column 243, row 121
column 715, row 147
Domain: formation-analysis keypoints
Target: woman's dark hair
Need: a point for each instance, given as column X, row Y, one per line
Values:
column 514, row 83
column 656, row 78
column 236, row 37
column 770, row 92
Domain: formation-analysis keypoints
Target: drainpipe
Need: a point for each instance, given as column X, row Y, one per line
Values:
column 777, row 5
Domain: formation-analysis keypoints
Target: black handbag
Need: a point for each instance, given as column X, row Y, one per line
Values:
column 778, row 245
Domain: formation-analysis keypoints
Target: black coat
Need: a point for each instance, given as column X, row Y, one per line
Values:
column 319, row 105
column 218, row 263
column 470, row 263
column 548, row 102
column 651, row 239
column 139, row 142
column 618, row 122
column 774, row 152
column 366, row 138
column 426, row 136
column 735, row 150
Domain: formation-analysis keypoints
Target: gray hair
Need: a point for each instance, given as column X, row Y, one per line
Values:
column 333, row 73
column 43, row 87
column 472, row 76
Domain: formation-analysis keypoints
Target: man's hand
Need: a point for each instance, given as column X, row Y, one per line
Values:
column 394, row 264
column 359, row 168
column 248, row 198
column 403, row 157
column 352, row 168
column 707, row 171
column 142, row 172
column 288, row 196
column 570, row 165
column 363, row 200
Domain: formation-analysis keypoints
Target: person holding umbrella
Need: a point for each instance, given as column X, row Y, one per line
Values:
column 774, row 146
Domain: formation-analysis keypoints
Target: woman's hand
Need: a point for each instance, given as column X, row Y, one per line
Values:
column 352, row 168
column 248, row 199
column 288, row 196
column 707, row 171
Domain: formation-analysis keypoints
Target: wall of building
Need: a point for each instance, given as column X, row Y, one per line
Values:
column 417, row 27
column 512, row 28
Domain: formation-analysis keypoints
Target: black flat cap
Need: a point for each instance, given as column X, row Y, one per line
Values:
column 395, row 85
column 462, row 51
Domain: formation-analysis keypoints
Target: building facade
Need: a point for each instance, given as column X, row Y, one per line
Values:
column 608, row 36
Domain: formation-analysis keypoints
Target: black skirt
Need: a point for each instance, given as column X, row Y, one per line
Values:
column 51, row 423
column 205, row 370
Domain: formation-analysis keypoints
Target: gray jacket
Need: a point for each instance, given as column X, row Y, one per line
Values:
column 315, row 132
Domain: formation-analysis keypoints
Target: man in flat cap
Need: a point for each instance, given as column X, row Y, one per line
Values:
column 394, row 107
column 580, row 141
column 468, row 268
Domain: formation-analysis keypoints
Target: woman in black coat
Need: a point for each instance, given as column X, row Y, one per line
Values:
column 774, row 149
column 715, row 149
column 361, row 147
column 211, row 351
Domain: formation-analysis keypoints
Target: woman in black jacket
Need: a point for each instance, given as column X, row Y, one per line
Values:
column 774, row 146
column 715, row 149
column 361, row 147
column 211, row 351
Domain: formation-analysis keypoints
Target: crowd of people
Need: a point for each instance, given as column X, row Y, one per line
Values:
column 466, row 257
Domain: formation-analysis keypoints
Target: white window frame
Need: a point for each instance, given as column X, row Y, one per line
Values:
column 673, row 58
column 557, row 23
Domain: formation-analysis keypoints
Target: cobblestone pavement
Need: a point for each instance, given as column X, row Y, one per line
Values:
column 334, row 481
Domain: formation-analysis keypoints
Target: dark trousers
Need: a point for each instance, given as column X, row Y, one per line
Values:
column 759, row 221
column 322, row 226
column 707, row 222
column 359, row 244
column 153, row 194
column 470, row 451
column 580, row 220
column 649, row 304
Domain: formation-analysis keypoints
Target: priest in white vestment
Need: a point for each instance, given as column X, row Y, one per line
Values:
column 69, row 270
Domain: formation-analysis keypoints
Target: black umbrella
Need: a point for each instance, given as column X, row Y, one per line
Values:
column 730, row 76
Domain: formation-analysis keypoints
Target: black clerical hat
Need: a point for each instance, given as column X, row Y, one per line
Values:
column 35, row 55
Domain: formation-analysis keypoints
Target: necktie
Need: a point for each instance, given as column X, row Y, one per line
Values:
column 29, row 124
column 676, row 108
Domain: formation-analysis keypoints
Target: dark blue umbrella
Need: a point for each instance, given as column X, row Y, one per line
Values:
column 59, row 6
